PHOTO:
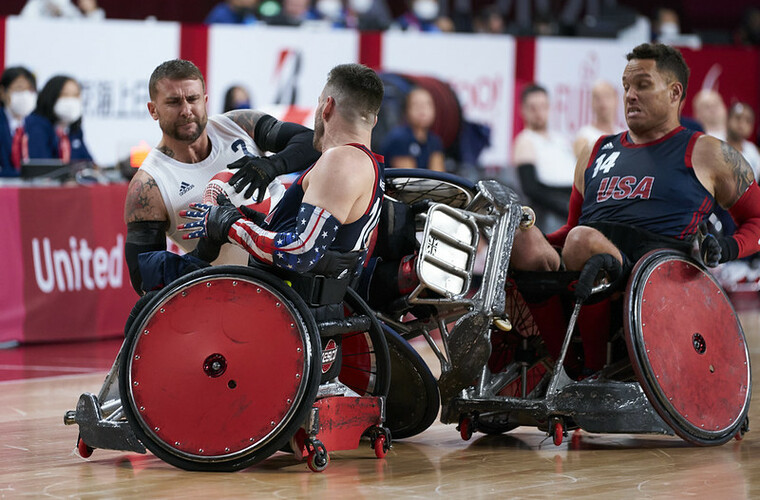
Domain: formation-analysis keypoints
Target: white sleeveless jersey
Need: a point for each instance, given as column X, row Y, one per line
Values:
column 555, row 161
column 184, row 183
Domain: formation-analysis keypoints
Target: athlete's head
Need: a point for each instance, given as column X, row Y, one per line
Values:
column 355, row 92
column 654, row 84
column 178, row 100
column 534, row 107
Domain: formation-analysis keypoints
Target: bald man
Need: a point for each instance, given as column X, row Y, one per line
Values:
column 604, row 102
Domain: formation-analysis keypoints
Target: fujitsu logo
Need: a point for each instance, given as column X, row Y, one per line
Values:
column 78, row 266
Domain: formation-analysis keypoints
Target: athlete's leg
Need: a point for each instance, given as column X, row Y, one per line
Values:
column 531, row 251
column 582, row 243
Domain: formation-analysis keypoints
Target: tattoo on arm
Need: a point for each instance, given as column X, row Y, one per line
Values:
column 138, row 204
column 742, row 172
column 165, row 150
column 246, row 118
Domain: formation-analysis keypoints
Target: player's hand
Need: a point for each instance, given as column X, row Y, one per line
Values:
column 210, row 221
column 710, row 251
column 255, row 172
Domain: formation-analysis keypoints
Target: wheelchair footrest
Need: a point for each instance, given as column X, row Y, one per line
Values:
column 104, row 434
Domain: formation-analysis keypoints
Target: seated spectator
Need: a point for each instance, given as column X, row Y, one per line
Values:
column 604, row 99
column 421, row 16
column 490, row 20
column 413, row 145
column 368, row 15
column 544, row 160
column 237, row 97
column 293, row 13
column 741, row 121
column 233, row 12
column 18, row 97
column 54, row 129
column 710, row 112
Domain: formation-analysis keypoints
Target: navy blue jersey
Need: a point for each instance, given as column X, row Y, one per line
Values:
column 651, row 186
column 351, row 237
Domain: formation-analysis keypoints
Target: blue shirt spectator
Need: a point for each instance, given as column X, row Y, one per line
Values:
column 233, row 12
column 18, row 97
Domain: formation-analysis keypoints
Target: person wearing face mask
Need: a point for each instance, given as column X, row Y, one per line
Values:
column 18, row 97
column 236, row 97
column 54, row 129
column 368, row 15
column 422, row 16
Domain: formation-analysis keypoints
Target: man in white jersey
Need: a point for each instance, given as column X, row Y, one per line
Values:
column 193, row 148
column 544, row 159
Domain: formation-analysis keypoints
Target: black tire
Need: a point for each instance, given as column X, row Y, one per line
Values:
column 413, row 401
column 303, row 399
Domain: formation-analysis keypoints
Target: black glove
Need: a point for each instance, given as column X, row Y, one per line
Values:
column 212, row 222
column 716, row 250
column 601, row 262
column 256, row 172
column 252, row 215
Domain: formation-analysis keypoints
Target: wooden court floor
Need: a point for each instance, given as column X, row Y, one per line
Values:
column 38, row 457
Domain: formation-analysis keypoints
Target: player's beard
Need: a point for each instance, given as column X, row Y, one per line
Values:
column 173, row 129
column 319, row 132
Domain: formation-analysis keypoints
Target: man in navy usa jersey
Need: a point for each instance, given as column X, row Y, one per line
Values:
column 648, row 187
column 652, row 185
column 324, row 221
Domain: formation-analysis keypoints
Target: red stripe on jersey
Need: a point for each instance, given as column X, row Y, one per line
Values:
column 690, row 148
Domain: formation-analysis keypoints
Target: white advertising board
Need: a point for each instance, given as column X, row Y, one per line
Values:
column 112, row 61
column 480, row 69
column 568, row 69
column 278, row 65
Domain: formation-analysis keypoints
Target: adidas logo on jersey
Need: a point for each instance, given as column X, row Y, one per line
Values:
column 607, row 145
column 184, row 187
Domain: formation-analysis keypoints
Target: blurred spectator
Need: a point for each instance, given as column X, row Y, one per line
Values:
column 233, row 12
column 62, row 8
column 54, row 129
column 749, row 29
column 666, row 25
column 18, row 97
column 544, row 160
column 421, row 16
column 489, row 20
column 604, row 101
column 293, row 13
column 710, row 112
column 237, row 97
column 368, row 15
column 741, row 122
column 413, row 145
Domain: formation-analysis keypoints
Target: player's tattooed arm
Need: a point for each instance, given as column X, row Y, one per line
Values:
column 144, row 201
column 740, row 177
column 246, row 118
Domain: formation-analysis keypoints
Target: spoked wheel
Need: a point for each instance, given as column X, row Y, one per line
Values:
column 411, row 186
column 365, row 360
column 221, row 371
column 413, row 401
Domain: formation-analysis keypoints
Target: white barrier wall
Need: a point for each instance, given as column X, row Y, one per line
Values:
column 278, row 65
column 112, row 60
column 481, row 69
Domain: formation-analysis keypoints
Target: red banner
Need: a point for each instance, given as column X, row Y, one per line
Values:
column 67, row 277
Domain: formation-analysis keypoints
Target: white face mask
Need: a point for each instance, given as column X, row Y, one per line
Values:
column 68, row 109
column 427, row 10
column 330, row 9
column 22, row 102
column 360, row 6
column 669, row 29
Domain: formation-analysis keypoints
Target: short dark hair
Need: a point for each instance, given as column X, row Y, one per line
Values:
column 666, row 58
column 531, row 89
column 10, row 74
column 357, row 86
column 176, row 69
column 48, row 96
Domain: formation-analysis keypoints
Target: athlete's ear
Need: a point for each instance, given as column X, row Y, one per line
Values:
column 676, row 91
column 329, row 107
column 152, row 110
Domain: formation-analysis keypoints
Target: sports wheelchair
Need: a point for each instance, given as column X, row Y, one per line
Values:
column 227, row 365
column 675, row 358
